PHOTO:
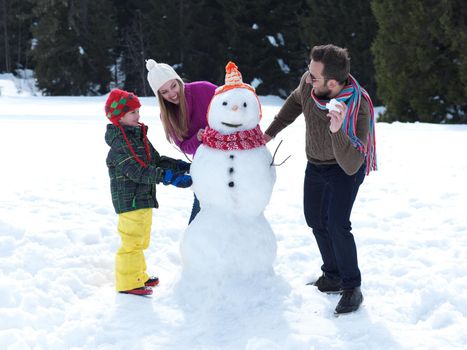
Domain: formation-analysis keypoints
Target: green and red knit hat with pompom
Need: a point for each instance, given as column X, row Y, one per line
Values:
column 119, row 103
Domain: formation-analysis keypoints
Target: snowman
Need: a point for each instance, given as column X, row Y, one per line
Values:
column 230, row 240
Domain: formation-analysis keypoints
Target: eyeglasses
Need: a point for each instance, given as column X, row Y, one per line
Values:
column 313, row 79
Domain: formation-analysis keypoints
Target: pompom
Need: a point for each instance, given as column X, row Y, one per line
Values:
column 230, row 67
column 150, row 64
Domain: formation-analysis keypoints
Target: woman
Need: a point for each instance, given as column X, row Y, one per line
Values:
column 183, row 109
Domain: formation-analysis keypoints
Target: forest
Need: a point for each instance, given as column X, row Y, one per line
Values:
column 410, row 55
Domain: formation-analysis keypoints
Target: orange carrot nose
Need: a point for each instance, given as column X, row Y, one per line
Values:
column 234, row 108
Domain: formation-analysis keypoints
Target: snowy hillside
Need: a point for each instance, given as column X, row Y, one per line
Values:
column 22, row 84
column 58, row 239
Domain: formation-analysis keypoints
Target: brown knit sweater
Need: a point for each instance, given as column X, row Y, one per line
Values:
column 322, row 146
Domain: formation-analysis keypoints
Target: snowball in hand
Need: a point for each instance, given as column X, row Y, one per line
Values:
column 332, row 105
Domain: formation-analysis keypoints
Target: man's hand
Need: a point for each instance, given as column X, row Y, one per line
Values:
column 337, row 117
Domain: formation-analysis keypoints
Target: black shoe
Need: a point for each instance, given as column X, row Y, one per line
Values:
column 350, row 301
column 328, row 285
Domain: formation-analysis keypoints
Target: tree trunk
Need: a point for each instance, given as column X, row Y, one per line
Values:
column 142, row 65
column 5, row 36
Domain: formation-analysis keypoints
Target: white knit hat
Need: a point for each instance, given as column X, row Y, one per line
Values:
column 159, row 74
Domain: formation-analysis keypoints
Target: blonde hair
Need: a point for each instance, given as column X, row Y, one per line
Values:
column 174, row 118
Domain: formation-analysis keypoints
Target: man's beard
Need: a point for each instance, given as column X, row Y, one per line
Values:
column 323, row 95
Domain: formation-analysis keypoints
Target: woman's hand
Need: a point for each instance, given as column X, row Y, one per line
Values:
column 199, row 135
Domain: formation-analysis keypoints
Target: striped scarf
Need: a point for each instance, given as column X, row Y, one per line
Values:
column 239, row 140
column 352, row 94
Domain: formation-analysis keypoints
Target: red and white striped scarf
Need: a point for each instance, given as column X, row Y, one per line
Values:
column 239, row 140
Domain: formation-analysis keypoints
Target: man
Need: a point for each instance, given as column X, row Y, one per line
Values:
column 340, row 149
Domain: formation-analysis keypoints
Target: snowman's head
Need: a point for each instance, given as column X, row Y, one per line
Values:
column 234, row 110
column 235, row 106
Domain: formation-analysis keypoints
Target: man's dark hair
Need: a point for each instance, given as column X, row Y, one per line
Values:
column 336, row 61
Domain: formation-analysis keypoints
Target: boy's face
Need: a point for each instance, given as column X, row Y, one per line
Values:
column 131, row 118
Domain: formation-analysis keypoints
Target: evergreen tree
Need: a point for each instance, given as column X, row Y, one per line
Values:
column 164, row 33
column 264, row 41
column 73, row 50
column 420, row 58
column 15, row 41
column 348, row 24
column 204, row 41
column 199, row 37
column 5, row 20
column 150, row 29
column 133, row 22
column 454, row 30
column 189, row 36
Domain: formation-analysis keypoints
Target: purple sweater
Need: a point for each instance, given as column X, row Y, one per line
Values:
column 198, row 96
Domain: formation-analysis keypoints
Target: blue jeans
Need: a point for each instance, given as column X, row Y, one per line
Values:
column 195, row 210
column 329, row 195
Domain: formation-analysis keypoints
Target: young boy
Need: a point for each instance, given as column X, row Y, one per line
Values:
column 134, row 169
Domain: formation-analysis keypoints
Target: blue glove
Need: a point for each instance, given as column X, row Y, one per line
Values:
column 182, row 181
column 178, row 180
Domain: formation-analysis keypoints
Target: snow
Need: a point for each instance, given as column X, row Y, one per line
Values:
column 256, row 82
column 272, row 40
column 58, row 239
column 22, row 84
column 284, row 67
column 281, row 39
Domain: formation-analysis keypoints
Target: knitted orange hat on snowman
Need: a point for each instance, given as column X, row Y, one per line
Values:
column 234, row 80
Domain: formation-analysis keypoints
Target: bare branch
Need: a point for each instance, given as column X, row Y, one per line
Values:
column 274, row 156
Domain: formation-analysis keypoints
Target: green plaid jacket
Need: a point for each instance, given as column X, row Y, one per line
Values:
column 132, row 186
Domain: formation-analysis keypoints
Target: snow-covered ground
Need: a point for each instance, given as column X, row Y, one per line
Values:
column 20, row 84
column 58, row 239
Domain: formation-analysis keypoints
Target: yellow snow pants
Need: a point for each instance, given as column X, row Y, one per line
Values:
column 134, row 228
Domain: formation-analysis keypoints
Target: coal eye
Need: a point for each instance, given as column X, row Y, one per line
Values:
column 244, row 104
column 224, row 103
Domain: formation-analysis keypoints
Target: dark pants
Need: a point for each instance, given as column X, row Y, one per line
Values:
column 329, row 194
column 195, row 210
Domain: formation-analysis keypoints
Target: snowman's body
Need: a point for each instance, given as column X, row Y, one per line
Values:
column 230, row 235
column 240, row 181
column 230, row 238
